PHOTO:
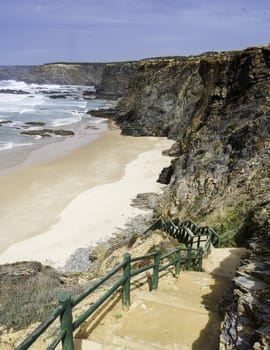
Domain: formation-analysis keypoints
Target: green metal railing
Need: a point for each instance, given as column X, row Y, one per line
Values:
column 180, row 258
column 189, row 233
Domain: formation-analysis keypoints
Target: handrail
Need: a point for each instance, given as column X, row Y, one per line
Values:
column 40, row 329
column 138, row 258
column 176, row 228
column 180, row 230
column 92, row 288
column 98, row 303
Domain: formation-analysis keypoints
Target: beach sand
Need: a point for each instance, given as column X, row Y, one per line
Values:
column 51, row 208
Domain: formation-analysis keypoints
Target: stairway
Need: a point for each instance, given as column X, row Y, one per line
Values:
column 223, row 261
column 182, row 314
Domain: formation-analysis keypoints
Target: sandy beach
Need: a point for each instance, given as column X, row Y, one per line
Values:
column 51, row 208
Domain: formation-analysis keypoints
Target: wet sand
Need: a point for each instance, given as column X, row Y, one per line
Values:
column 48, row 209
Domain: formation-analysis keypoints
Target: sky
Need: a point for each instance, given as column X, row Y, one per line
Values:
column 42, row 31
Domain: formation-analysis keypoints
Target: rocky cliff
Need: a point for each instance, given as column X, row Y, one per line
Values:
column 217, row 108
column 110, row 79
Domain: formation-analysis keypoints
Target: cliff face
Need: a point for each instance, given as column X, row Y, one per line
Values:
column 83, row 74
column 110, row 79
column 115, row 79
column 217, row 108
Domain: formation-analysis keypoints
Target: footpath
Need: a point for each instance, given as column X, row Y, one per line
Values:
column 181, row 314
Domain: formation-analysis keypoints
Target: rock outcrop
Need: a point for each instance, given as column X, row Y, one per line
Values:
column 217, row 108
column 246, row 305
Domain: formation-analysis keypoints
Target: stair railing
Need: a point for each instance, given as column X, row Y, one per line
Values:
column 180, row 258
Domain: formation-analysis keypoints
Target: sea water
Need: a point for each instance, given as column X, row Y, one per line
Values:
column 56, row 106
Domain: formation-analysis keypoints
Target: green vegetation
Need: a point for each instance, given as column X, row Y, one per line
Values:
column 232, row 226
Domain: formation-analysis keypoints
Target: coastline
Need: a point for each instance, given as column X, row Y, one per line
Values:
column 51, row 208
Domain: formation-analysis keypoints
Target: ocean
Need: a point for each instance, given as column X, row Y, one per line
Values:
column 33, row 115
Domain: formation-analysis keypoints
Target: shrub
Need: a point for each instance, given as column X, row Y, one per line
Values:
column 30, row 300
column 232, row 226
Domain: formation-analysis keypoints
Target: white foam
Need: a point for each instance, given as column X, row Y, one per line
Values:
column 19, row 103
column 2, row 119
column 5, row 145
column 8, row 145
column 14, row 85
column 22, row 144
column 65, row 121
column 14, row 124
column 98, row 120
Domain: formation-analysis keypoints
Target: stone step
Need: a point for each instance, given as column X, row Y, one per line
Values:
column 189, row 291
column 182, row 314
column 117, row 343
column 223, row 261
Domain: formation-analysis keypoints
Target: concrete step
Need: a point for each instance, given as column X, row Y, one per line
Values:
column 118, row 343
column 182, row 314
column 223, row 261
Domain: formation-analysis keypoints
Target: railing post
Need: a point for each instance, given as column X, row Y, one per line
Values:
column 199, row 240
column 126, row 285
column 200, row 258
column 209, row 236
column 178, row 261
column 189, row 258
column 156, row 268
column 219, row 243
column 66, row 321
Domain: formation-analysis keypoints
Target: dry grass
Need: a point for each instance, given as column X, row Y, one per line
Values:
column 31, row 300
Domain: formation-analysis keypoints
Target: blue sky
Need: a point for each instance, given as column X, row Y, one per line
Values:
column 40, row 31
